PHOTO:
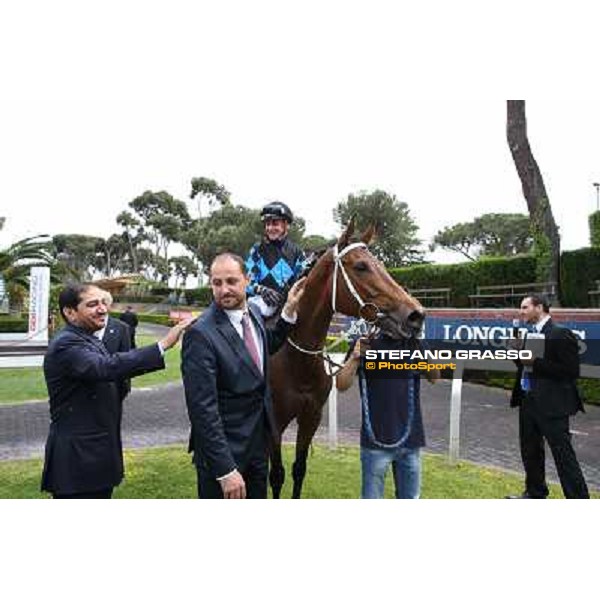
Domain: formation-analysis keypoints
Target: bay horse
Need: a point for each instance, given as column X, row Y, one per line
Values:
column 347, row 279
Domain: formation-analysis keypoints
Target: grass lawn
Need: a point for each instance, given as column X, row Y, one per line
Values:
column 168, row 473
column 18, row 385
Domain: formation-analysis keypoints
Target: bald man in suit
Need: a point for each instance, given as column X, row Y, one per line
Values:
column 225, row 371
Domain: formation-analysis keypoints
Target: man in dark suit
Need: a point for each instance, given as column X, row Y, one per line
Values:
column 546, row 393
column 83, row 456
column 131, row 319
column 225, row 375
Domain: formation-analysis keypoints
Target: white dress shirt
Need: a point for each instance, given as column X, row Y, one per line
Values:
column 540, row 324
column 235, row 317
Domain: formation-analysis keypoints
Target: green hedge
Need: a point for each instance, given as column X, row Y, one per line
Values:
column 594, row 221
column 589, row 390
column 459, row 277
column 14, row 325
column 149, row 299
column 160, row 290
column 201, row 296
column 514, row 269
column 147, row 318
column 156, row 319
column 579, row 271
column 463, row 278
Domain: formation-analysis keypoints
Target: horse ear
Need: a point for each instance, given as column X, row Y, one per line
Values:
column 369, row 235
column 347, row 234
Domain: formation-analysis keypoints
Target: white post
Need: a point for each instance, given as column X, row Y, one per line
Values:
column 39, row 296
column 332, row 411
column 3, row 297
column 455, row 402
column 332, row 417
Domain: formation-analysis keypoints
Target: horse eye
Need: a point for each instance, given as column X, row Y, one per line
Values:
column 361, row 266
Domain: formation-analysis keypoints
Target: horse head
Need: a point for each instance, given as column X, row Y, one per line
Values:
column 362, row 287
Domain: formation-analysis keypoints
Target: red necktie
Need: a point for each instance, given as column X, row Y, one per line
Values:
column 249, row 341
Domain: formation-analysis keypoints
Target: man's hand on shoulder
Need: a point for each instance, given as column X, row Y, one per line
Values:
column 294, row 296
column 175, row 333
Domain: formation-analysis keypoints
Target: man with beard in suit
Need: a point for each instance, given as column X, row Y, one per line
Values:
column 225, row 371
column 546, row 393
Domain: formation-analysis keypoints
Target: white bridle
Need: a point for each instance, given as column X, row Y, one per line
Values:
column 339, row 265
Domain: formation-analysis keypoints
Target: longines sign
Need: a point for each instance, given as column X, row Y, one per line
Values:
column 494, row 332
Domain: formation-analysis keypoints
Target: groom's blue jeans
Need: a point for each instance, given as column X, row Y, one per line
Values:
column 406, row 466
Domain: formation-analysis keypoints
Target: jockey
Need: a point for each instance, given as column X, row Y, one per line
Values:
column 274, row 263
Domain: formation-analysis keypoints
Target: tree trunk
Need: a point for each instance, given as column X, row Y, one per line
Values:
column 543, row 225
column 108, row 264
column 132, row 252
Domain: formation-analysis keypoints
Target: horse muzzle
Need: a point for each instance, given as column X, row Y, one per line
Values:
column 398, row 325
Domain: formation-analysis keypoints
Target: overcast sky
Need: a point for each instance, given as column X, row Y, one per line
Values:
column 304, row 103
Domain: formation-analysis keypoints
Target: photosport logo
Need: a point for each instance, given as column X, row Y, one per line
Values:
column 434, row 360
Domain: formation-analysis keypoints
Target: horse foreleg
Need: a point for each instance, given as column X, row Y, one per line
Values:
column 299, row 471
column 307, row 426
column 277, row 472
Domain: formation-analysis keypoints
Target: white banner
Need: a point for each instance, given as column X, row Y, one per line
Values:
column 39, row 296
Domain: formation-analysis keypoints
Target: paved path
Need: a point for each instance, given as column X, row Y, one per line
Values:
column 156, row 417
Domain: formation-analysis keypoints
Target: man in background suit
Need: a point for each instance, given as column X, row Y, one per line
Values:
column 546, row 393
column 131, row 319
column 116, row 336
column 83, row 457
column 225, row 375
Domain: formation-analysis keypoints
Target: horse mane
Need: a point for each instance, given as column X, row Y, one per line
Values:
column 313, row 258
